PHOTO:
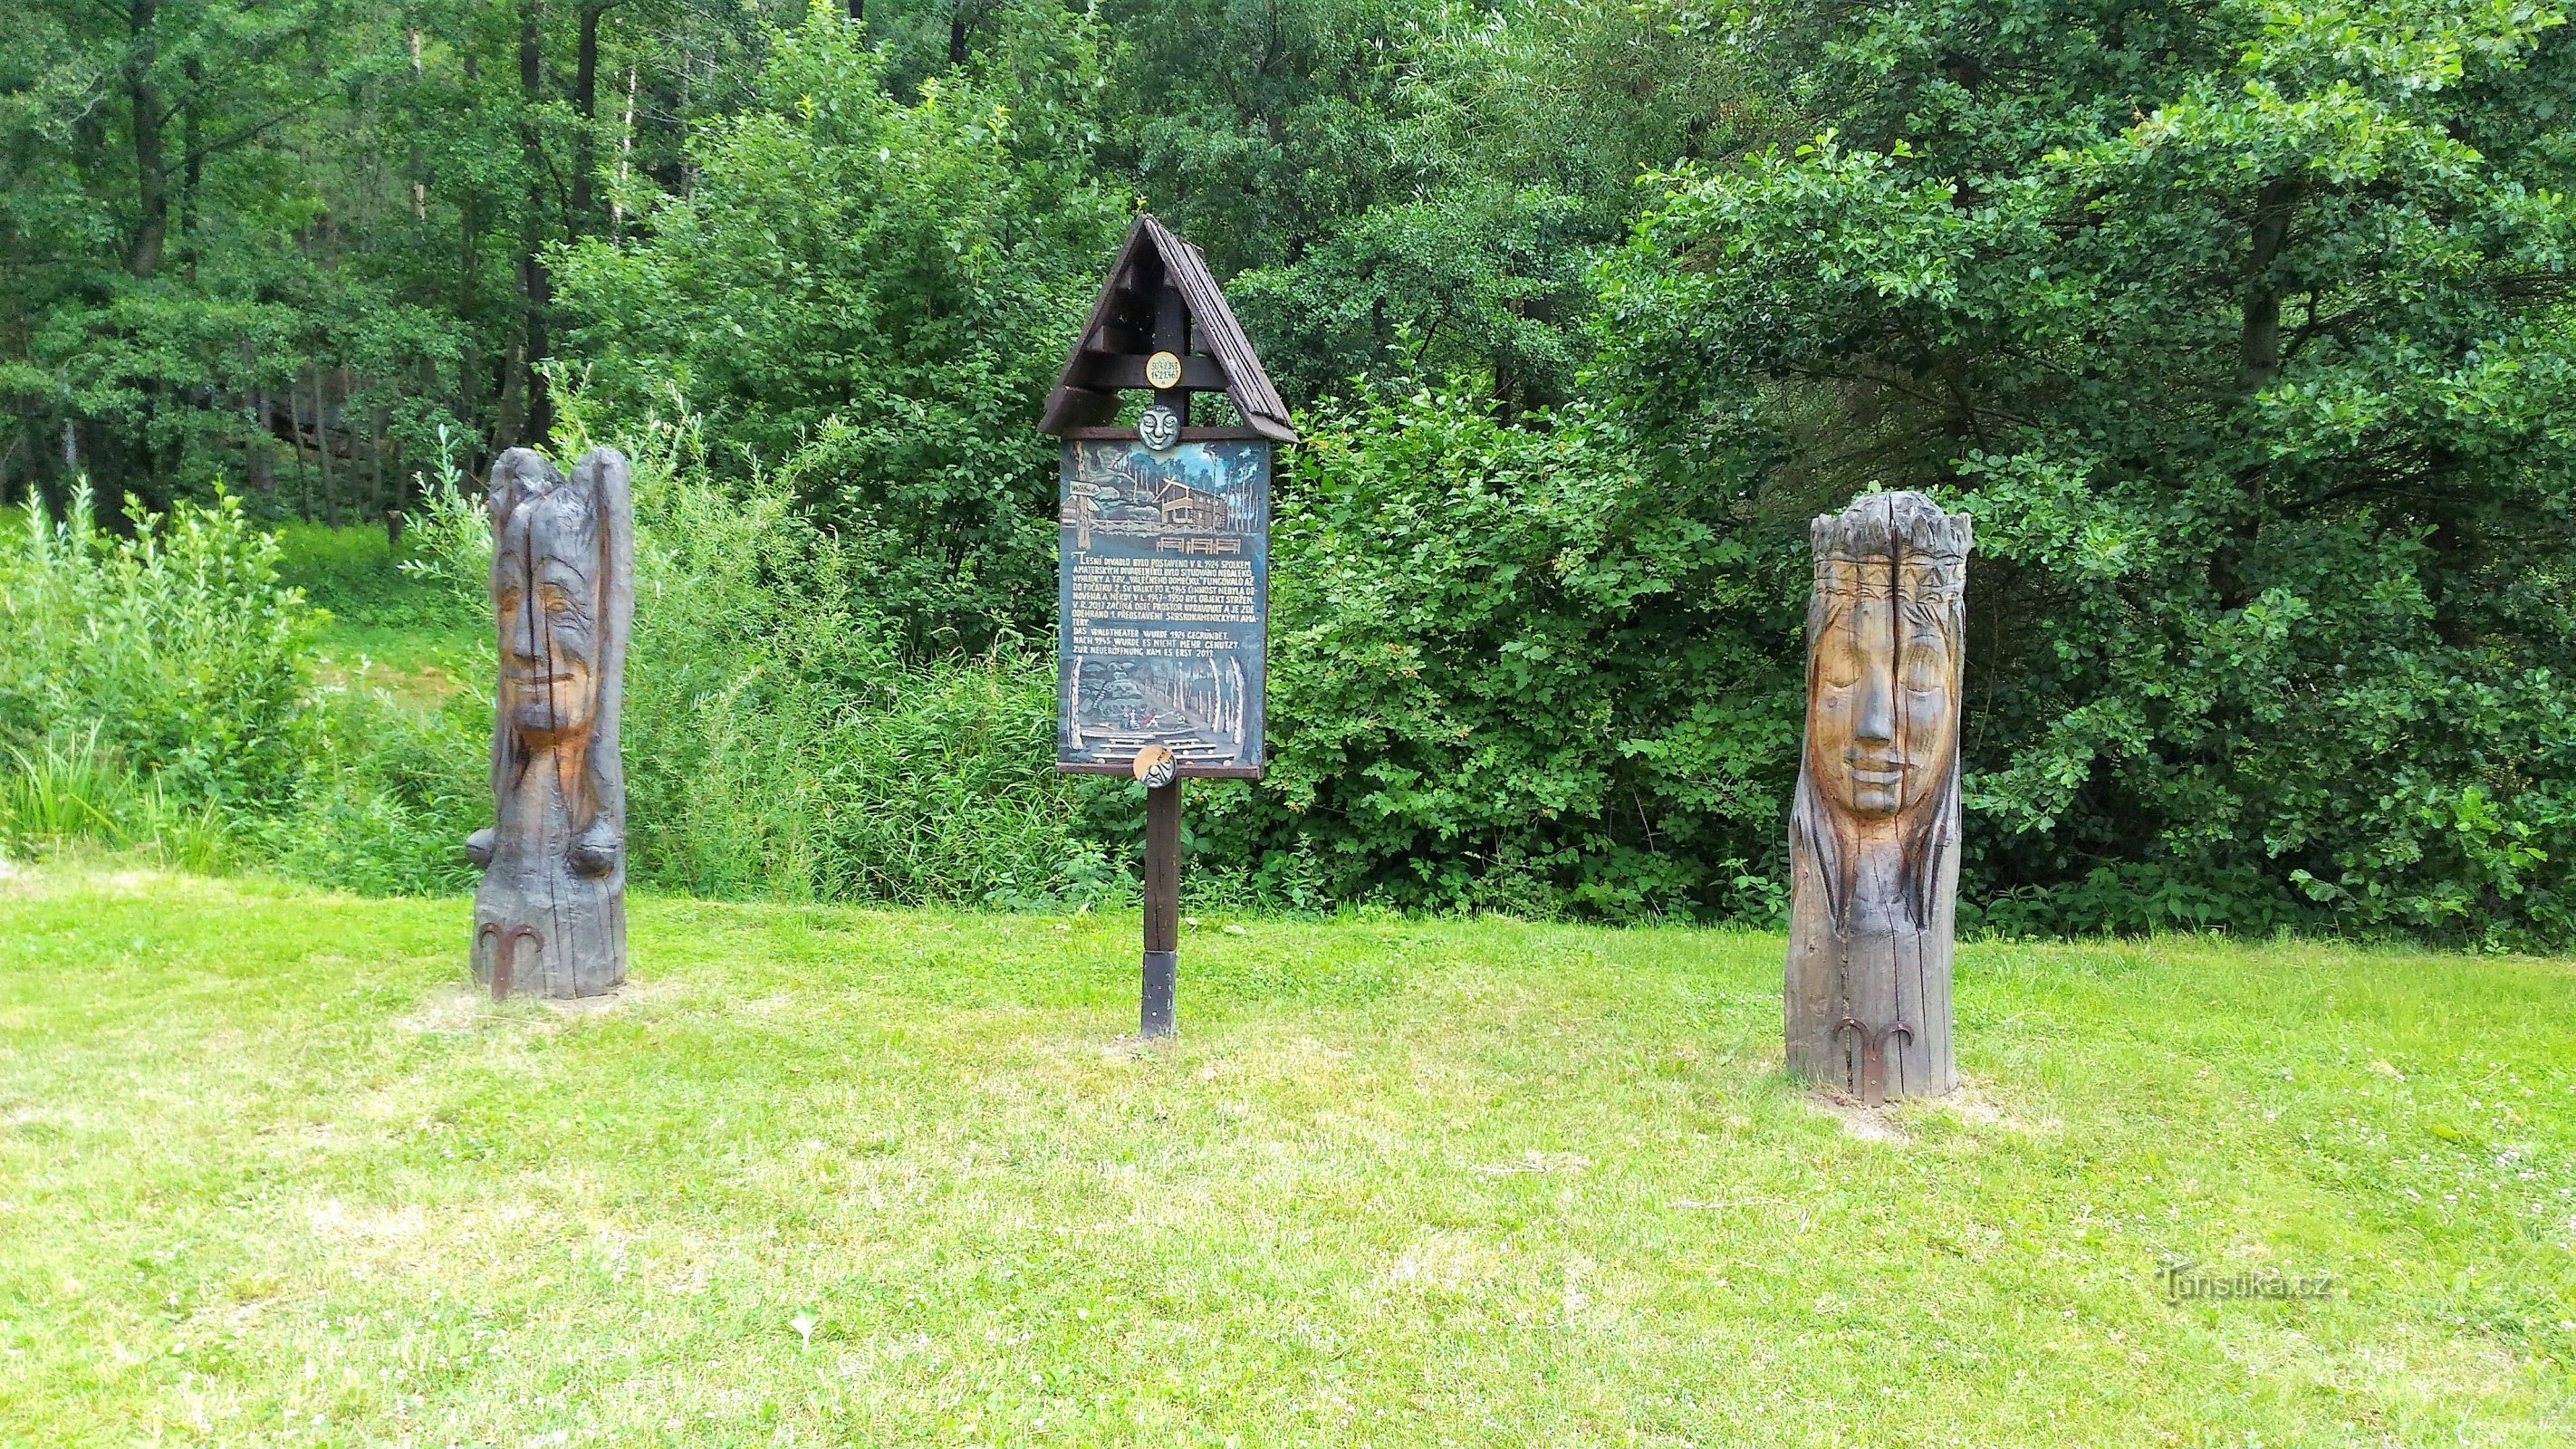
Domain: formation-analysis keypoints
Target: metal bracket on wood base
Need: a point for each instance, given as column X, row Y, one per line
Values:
column 504, row 956
column 1161, row 967
column 1873, row 1056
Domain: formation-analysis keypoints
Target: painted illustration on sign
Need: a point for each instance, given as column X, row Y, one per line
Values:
column 1163, row 586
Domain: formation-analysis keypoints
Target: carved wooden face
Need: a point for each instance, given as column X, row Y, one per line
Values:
column 546, row 593
column 1883, row 718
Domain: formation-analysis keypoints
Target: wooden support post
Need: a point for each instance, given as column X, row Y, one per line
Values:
column 1163, row 802
column 1162, row 907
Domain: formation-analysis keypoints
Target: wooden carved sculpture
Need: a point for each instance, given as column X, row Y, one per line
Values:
column 550, row 917
column 1874, row 835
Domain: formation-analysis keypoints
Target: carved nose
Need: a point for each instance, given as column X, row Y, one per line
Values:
column 1877, row 722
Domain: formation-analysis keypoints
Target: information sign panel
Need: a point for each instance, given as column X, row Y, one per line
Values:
column 1163, row 592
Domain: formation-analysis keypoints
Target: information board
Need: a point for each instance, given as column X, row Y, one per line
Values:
column 1163, row 602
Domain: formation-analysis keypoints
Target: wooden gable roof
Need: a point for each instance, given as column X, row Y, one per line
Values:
column 1110, row 354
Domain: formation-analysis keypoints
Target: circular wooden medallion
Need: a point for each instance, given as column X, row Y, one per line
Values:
column 1153, row 765
column 1163, row 369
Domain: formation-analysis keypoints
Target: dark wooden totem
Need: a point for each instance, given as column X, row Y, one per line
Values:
column 1874, row 834
column 550, row 917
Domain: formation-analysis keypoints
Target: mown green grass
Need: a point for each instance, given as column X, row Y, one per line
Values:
column 269, row 1175
column 401, row 632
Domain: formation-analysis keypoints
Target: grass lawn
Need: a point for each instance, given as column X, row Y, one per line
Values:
column 401, row 633
column 269, row 1175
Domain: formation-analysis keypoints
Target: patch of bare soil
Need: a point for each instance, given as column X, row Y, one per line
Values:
column 1870, row 1124
column 457, row 1007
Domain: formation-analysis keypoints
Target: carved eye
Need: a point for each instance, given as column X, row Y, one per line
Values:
column 1927, row 663
column 553, row 599
column 1838, row 655
column 510, row 599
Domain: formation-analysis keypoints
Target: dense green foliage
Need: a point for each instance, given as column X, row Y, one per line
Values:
column 2244, row 330
column 1510, row 673
column 868, row 299
column 2244, row 334
column 171, row 650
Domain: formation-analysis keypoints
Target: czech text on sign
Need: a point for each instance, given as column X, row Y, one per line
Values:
column 1163, row 587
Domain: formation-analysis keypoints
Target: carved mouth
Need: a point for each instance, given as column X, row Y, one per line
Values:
column 1876, row 771
column 525, row 681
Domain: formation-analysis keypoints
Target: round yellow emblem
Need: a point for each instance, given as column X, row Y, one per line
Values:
column 1153, row 765
column 1163, row 369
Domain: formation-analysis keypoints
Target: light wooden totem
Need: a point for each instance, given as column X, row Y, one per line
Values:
column 550, row 917
column 1874, row 835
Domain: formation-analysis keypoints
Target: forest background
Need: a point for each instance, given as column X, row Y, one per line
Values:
column 2242, row 326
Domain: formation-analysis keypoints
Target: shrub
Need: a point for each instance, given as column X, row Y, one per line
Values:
column 1508, row 674
column 172, row 652
column 391, row 793
column 871, row 298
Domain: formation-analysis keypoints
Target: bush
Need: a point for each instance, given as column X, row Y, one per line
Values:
column 172, row 653
column 871, row 298
column 391, row 793
column 1508, row 674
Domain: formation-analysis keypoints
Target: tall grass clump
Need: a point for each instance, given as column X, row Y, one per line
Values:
column 66, row 788
column 389, row 795
column 153, row 683
column 173, row 648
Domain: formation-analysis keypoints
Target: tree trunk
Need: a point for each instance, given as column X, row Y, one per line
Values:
column 322, row 446
column 469, row 238
column 151, row 170
column 534, row 286
column 419, row 167
column 585, row 104
column 957, row 33
column 193, row 168
column 295, row 430
column 261, row 464
column 2259, row 346
column 625, row 155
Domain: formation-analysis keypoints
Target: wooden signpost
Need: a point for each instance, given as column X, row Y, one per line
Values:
column 1163, row 557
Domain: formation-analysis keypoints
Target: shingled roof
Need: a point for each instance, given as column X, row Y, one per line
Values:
column 1110, row 354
